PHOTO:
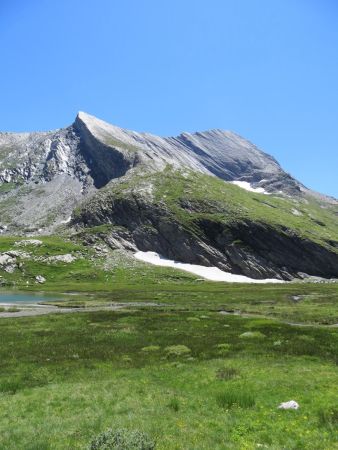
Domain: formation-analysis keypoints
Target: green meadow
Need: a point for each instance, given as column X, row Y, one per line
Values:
column 193, row 364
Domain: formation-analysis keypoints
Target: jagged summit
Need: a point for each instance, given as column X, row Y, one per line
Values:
column 221, row 153
column 99, row 124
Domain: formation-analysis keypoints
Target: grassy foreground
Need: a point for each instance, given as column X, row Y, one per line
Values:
column 189, row 376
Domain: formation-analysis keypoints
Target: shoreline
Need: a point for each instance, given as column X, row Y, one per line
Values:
column 40, row 309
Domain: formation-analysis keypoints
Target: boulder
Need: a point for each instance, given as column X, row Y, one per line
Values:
column 25, row 242
column 40, row 279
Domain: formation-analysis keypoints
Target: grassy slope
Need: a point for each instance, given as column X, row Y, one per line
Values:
column 213, row 198
column 88, row 273
column 233, row 203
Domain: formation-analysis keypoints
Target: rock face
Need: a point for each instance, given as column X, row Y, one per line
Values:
column 257, row 250
column 54, row 180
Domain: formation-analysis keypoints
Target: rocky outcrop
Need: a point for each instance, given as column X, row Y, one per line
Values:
column 7, row 262
column 257, row 248
column 254, row 249
column 66, row 259
column 104, row 162
column 28, row 242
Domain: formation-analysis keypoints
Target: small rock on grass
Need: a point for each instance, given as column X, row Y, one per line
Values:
column 25, row 242
column 40, row 279
column 292, row 404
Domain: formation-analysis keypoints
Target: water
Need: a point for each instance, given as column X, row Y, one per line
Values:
column 21, row 298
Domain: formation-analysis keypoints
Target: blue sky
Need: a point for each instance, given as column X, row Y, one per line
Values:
column 266, row 69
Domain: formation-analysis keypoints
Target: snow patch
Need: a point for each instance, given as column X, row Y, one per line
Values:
column 209, row 273
column 66, row 220
column 247, row 186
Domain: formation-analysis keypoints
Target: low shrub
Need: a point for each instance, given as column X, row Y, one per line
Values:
column 12, row 309
column 252, row 335
column 150, row 348
column 223, row 349
column 306, row 338
column 177, row 350
column 126, row 359
column 122, row 439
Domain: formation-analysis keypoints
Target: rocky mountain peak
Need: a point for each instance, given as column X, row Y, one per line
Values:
column 45, row 174
column 224, row 154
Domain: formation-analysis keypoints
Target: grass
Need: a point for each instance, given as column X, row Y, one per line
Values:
column 181, row 371
column 227, row 373
column 116, row 143
column 73, row 376
column 328, row 417
column 180, row 193
column 118, row 277
column 7, row 187
column 174, row 404
column 229, row 202
column 235, row 396
column 12, row 309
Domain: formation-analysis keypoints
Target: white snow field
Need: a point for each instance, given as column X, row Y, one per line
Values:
column 247, row 186
column 209, row 273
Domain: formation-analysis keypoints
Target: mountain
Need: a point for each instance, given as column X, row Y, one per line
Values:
column 210, row 198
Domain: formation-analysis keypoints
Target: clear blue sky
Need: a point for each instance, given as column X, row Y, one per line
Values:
column 266, row 69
